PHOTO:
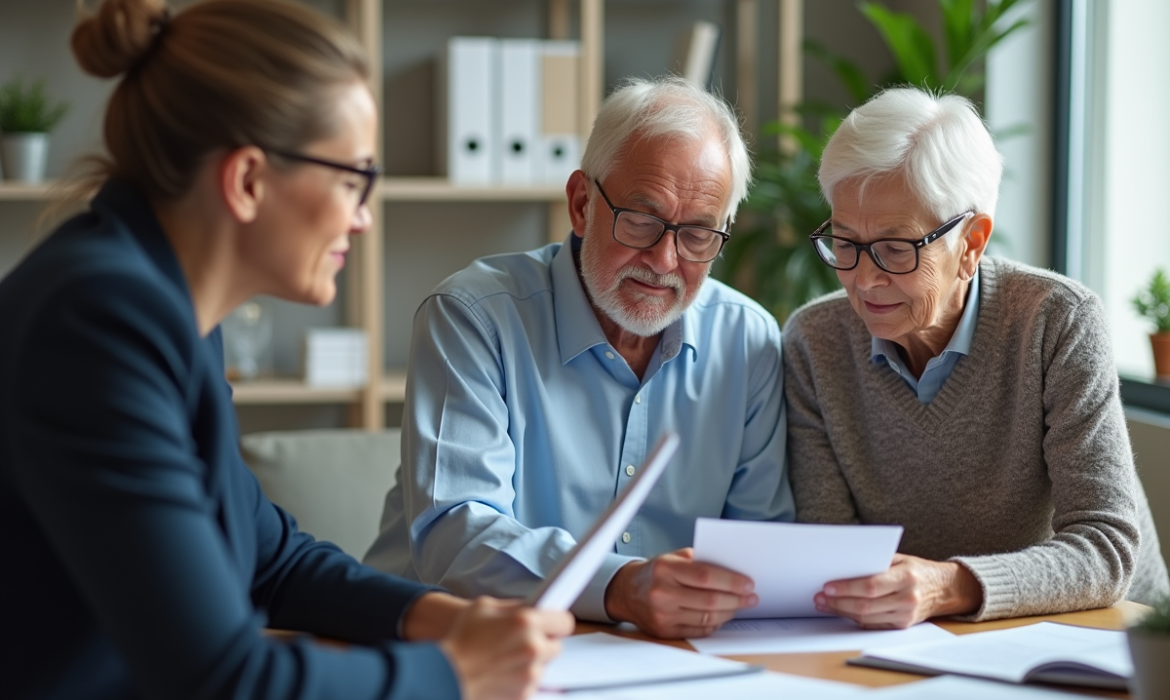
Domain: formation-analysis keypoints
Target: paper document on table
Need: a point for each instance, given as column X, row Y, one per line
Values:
column 789, row 562
column 755, row 686
column 960, row 688
column 807, row 634
column 599, row 660
column 1047, row 652
column 562, row 587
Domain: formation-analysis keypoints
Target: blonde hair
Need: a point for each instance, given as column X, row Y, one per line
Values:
column 220, row 74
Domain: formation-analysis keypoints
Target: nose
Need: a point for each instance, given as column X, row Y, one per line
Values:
column 362, row 219
column 663, row 255
column 867, row 274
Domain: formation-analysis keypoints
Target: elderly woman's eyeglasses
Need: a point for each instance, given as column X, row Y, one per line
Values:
column 896, row 256
column 635, row 229
column 370, row 172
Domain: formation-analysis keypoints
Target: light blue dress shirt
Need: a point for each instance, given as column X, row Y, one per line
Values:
column 522, row 424
column 939, row 368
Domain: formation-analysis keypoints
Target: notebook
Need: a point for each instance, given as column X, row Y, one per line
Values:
column 1047, row 652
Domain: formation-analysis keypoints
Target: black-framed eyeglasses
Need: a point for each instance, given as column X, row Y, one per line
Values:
column 638, row 230
column 897, row 256
column 370, row 172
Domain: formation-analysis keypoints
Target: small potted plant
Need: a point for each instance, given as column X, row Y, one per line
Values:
column 1153, row 303
column 27, row 115
column 1149, row 644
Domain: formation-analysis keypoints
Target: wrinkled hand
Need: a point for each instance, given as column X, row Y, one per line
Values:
column 499, row 648
column 910, row 591
column 673, row 596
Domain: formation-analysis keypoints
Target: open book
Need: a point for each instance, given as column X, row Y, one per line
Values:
column 1046, row 652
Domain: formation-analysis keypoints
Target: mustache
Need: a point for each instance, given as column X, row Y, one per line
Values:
column 641, row 274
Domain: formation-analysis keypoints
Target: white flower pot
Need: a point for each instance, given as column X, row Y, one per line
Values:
column 1151, row 674
column 23, row 156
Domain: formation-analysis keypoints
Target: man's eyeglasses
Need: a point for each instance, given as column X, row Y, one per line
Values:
column 370, row 172
column 896, row 256
column 635, row 229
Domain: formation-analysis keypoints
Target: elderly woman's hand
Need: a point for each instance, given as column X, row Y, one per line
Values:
column 910, row 591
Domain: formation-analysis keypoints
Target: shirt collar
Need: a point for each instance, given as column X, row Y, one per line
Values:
column 577, row 326
column 960, row 342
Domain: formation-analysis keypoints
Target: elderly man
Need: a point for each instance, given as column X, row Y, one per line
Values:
column 539, row 381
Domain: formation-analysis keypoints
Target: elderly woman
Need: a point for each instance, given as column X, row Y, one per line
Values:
column 972, row 400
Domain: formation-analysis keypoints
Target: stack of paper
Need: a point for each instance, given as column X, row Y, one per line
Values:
column 809, row 634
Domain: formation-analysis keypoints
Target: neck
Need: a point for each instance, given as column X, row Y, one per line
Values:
column 206, row 254
column 919, row 348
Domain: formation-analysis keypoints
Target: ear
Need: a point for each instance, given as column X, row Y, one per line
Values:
column 242, row 183
column 974, row 244
column 577, row 192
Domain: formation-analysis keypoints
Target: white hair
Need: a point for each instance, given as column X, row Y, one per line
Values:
column 665, row 107
column 937, row 143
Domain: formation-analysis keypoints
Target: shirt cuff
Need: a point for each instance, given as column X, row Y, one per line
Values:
column 423, row 671
column 1001, row 594
column 590, row 604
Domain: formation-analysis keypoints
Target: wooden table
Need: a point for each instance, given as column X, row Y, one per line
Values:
column 830, row 665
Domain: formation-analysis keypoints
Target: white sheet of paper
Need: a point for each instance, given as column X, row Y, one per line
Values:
column 961, row 688
column 599, row 660
column 806, row 634
column 755, row 686
column 791, row 562
column 562, row 587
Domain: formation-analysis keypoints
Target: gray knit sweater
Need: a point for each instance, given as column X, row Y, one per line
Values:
column 1020, row 468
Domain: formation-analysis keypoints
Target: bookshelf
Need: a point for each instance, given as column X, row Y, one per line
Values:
column 408, row 194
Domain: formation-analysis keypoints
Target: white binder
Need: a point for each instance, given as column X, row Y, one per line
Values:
column 560, row 132
column 519, row 110
column 467, row 147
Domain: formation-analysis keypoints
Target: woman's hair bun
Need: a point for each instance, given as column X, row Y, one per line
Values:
column 115, row 38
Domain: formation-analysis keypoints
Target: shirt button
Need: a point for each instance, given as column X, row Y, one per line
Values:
column 608, row 355
column 626, row 537
column 630, row 470
column 638, row 398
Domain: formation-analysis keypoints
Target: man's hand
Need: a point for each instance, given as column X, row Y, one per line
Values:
column 910, row 591
column 673, row 596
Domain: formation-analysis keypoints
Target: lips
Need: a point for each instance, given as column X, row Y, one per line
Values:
column 874, row 308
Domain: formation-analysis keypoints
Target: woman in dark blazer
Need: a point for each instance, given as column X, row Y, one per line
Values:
column 141, row 557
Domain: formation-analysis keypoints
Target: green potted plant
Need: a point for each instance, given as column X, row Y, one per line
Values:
column 27, row 115
column 769, row 257
column 1153, row 304
column 1149, row 645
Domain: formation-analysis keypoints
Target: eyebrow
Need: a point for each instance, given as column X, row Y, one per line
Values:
column 654, row 206
column 884, row 233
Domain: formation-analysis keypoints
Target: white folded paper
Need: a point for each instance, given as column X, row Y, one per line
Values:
column 790, row 563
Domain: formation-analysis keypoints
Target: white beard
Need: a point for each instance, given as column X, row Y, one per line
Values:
column 646, row 315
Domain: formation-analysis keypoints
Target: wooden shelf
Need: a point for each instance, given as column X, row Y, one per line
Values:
column 18, row 191
column 293, row 390
column 438, row 189
column 285, row 390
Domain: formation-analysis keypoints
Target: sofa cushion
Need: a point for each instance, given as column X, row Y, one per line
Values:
column 333, row 482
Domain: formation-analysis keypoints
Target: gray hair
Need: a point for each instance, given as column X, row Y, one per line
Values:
column 669, row 106
column 937, row 143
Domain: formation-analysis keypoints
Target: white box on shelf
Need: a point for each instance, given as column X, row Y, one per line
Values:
column 336, row 357
column 519, row 104
column 467, row 140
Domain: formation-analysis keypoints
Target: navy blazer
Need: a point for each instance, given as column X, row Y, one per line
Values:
column 142, row 559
